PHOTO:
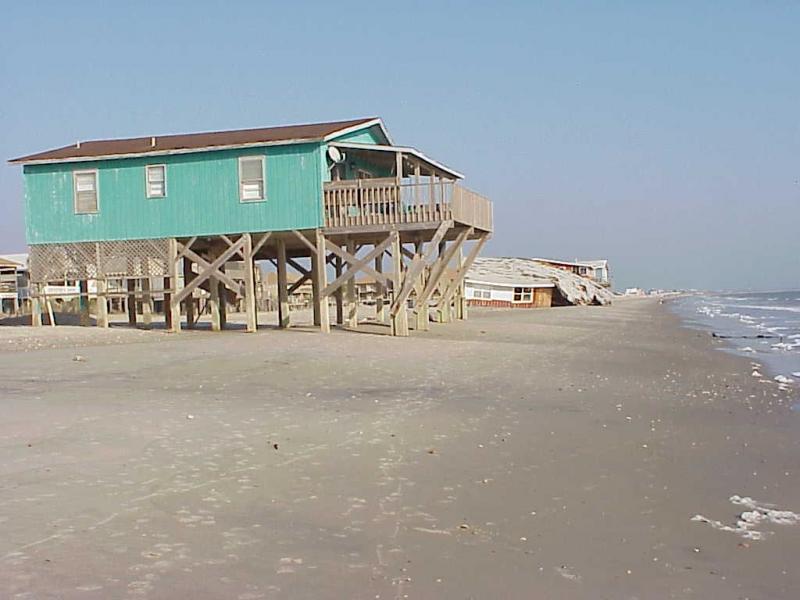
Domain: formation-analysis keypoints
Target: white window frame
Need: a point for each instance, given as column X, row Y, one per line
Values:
column 96, row 191
column 263, row 178
column 147, row 180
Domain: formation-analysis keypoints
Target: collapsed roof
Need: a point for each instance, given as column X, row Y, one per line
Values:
column 527, row 272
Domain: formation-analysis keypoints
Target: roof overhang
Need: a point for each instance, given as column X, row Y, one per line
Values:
column 72, row 159
column 374, row 122
column 367, row 124
column 432, row 164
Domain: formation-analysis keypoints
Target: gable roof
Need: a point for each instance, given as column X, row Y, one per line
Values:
column 198, row 142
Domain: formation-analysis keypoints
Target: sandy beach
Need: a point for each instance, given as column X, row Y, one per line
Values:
column 580, row 452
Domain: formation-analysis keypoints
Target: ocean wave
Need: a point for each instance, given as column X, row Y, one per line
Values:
column 777, row 307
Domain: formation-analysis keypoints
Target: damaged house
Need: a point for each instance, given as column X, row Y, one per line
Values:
column 528, row 283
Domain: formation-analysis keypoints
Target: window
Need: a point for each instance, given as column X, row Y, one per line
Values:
column 251, row 178
column 481, row 292
column 523, row 294
column 156, row 176
column 85, row 191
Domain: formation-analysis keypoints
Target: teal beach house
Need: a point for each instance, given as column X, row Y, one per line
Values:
column 314, row 198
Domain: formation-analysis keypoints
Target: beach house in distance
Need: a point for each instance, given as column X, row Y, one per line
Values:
column 339, row 195
column 596, row 270
column 529, row 283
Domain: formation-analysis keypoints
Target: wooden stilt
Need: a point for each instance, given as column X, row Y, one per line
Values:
column 257, row 281
column 438, row 271
column 400, row 318
column 174, row 301
column 50, row 315
column 167, row 301
column 283, row 287
column 419, row 286
column 102, row 303
column 131, row 285
column 36, row 306
column 222, row 293
column 338, row 294
column 321, row 279
column 147, row 304
column 189, row 304
column 83, row 289
column 249, row 284
column 352, row 298
column 214, row 304
column 316, row 290
column 461, row 299
column 380, row 291
column 458, row 278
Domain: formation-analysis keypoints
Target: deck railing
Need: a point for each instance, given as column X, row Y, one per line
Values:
column 365, row 202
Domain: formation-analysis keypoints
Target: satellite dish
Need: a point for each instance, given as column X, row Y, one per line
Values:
column 335, row 155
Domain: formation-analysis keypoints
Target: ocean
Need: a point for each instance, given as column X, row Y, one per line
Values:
column 763, row 326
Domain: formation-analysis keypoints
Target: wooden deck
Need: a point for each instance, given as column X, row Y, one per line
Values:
column 371, row 202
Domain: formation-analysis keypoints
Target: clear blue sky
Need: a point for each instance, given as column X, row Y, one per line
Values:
column 662, row 135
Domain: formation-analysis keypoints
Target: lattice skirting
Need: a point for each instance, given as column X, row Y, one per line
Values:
column 93, row 260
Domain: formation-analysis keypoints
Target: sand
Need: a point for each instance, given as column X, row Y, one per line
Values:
column 558, row 453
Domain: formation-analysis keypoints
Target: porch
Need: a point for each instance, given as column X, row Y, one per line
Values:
column 367, row 203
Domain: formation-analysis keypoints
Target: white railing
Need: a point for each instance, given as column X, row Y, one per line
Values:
column 365, row 202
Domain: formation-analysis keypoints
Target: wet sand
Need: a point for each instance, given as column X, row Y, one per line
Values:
column 521, row 454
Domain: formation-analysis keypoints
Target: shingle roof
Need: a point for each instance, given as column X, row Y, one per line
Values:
column 194, row 141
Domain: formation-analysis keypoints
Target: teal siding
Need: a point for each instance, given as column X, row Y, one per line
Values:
column 372, row 135
column 202, row 196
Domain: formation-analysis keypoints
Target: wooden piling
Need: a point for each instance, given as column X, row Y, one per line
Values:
column 249, row 284
column 283, row 287
column 321, row 280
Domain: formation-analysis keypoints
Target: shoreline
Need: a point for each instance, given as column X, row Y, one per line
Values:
column 546, row 453
column 768, row 364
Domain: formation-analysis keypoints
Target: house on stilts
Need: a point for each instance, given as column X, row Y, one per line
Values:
column 331, row 200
